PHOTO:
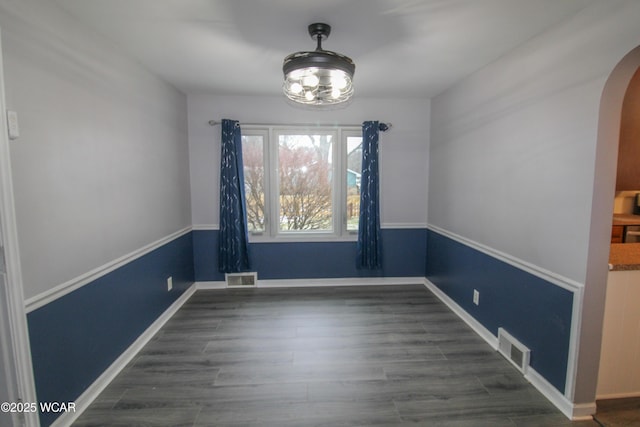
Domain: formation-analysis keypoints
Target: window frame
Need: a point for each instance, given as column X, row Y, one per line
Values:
column 261, row 132
column 272, row 232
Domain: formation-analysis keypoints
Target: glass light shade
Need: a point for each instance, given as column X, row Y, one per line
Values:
column 295, row 88
column 338, row 81
column 310, row 79
column 318, row 86
column 309, row 96
column 319, row 77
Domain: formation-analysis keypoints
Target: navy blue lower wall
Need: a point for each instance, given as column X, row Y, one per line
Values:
column 75, row 338
column 403, row 256
column 536, row 312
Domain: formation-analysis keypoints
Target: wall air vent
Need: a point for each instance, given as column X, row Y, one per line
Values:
column 241, row 280
column 513, row 350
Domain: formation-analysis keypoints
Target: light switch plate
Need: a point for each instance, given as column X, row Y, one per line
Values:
column 12, row 124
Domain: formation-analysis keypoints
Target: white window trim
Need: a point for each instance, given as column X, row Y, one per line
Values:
column 345, row 133
column 270, row 156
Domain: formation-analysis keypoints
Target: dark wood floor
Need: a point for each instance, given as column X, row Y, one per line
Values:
column 344, row 356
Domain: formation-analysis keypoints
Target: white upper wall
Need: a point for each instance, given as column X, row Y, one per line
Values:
column 404, row 150
column 513, row 145
column 101, row 168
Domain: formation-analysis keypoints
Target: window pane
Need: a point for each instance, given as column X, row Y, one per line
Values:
column 253, row 158
column 305, row 182
column 354, row 172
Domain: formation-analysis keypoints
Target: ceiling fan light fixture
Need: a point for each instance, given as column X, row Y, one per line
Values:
column 319, row 77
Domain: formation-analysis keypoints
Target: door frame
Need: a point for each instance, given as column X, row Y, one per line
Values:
column 14, row 304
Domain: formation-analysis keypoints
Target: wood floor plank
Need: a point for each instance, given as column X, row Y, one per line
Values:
column 371, row 354
column 148, row 417
column 334, row 356
column 210, row 395
column 295, row 413
column 396, row 390
column 514, row 404
column 298, row 373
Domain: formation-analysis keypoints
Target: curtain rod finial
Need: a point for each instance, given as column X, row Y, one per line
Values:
column 212, row 122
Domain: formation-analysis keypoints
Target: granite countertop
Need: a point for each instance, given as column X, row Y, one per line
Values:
column 624, row 256
column 626, row 219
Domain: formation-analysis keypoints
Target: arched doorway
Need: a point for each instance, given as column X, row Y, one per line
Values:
column 590, row 342
column 618, row 375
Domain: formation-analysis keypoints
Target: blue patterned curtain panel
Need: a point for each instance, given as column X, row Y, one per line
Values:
column 233, row 243
column 369, row 249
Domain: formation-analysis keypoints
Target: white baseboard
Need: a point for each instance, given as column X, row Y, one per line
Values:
column 581, row 411
column 571, row 410
column 211, row 285
column 92, row 392
column 486, row 334
column 310, row 283
column 351, row 281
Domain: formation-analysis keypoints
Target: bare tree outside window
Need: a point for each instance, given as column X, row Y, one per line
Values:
column 304, row 171
column 253, row 158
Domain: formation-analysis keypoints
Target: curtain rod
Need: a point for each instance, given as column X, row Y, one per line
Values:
column 383, row 127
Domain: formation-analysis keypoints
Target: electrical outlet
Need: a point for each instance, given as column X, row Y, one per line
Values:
column 169, row 283
column 476, row 297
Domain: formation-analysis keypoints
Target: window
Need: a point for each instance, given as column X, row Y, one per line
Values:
column 353, row 173
column 302, row 182
column 305, row 171
column 253, row 158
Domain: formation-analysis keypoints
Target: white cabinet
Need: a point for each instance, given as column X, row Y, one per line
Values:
column 619, row 374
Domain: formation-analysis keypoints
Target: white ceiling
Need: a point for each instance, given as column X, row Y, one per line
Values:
column 402, row 48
